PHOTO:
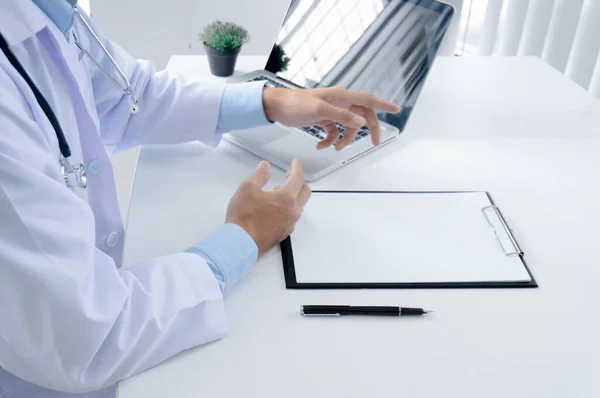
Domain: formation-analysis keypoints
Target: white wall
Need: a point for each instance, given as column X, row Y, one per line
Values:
column 262, row 18
column 157, row 29
column 149, row 29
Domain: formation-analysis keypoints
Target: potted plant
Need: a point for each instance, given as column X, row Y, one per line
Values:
column 278, row 60
column 222, row 43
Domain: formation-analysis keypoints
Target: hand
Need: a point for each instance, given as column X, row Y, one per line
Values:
column 269, row 217
column 324, row 107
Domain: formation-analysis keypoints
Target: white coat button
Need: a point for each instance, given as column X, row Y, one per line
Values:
column 112, row 239
column 95, row 166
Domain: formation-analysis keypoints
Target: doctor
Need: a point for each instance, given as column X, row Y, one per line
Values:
column 71, row 320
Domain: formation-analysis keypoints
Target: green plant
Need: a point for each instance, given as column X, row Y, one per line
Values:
column 224, row 36
column 278, row 61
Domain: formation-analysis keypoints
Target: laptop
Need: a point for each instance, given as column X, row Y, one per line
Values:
column 385, row 47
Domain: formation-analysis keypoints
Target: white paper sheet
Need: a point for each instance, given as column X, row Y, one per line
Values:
column 401, row 237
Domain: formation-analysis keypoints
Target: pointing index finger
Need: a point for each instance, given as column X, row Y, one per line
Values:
column 372, row 101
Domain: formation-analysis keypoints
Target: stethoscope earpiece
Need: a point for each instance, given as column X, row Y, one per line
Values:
column 135, row 108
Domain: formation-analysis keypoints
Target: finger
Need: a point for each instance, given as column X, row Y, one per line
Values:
column 261, row 175
column 290, row 231
column 332, row 134
column 296, row 179
column 277, row 188
column 372, row 101
column 347, row 139
column 343, row 116
column 304, row 195
column 373, row 125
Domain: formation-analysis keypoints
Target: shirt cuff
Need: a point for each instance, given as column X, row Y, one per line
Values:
column 242, row 107
column 229, row 252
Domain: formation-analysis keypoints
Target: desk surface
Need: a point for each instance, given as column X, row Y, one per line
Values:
column 514, row 127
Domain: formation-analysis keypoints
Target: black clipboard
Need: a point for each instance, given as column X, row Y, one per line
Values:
column 287, row 255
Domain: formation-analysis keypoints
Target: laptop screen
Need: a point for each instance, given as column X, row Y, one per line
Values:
column 385, row 47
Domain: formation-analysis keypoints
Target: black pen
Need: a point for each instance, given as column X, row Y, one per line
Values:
column 342, row 310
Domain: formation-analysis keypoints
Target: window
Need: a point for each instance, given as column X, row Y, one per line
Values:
column 85, row 6
column 471, row 26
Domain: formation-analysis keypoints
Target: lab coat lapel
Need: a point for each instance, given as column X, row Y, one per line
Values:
column 22, row 20
column 77, row 76
column 106, row 207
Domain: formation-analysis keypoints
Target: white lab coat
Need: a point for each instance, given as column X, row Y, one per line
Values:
column 70, row 318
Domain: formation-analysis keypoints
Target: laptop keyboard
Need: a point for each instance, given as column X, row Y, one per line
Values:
column 269, row 83
column 315, row 131
column 320, row 133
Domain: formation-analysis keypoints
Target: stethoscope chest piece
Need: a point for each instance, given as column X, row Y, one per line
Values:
column 74, row 175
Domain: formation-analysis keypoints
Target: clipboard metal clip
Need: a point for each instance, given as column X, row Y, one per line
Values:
column 516, row 250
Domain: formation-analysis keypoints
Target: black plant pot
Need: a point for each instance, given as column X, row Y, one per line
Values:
column 222, row 63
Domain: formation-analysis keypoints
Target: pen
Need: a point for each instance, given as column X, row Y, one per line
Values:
column 339, row 310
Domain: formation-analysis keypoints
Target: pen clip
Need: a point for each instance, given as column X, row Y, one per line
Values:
column 315, row 315
column 321, row 315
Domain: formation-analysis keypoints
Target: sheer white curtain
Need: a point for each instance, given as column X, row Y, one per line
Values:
column 85, row 5
column 564, row 33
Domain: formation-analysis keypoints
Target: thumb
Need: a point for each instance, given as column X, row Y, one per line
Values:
column 261, row 175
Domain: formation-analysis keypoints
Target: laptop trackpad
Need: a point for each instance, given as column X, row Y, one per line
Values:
column 261, row 136
column 282, row 145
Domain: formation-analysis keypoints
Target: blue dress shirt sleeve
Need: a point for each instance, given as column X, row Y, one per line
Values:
column 242, row 107
column 229, row 252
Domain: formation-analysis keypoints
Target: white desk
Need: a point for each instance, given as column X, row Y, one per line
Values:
column 512, row 126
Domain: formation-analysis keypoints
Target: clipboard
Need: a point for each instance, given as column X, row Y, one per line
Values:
column 489, row 214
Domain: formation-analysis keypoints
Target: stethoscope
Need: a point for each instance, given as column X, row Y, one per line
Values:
column 74, row 175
